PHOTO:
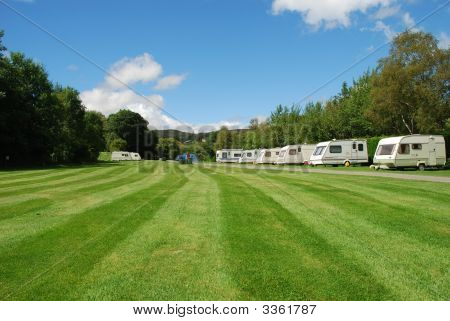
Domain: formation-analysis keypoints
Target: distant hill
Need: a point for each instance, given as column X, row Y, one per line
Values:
column 177, row 134
column 188, row 136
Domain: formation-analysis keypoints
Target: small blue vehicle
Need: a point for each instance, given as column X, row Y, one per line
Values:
column 187, row 158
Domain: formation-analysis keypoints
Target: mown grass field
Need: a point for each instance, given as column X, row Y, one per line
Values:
column 163, row 231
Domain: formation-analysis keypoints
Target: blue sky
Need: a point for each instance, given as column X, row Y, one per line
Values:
column 210, row 62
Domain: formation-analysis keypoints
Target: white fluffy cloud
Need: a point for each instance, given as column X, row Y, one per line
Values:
column 408, row 21
column 386, row 12
column 112, row 95
column 140, row 69
column 387, row 30
column 169, row 82
column 109, row 101
column 330, row 13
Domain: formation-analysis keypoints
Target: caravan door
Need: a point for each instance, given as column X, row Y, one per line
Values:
column 354, row 148
column 432, row 152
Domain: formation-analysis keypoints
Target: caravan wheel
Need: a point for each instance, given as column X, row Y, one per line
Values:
column 347, row 164
column 421, row 167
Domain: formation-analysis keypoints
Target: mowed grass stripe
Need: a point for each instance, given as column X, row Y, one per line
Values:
column 411, row 193
column 56, row 259
column 274, row 256
column 105, row 179
column 53, row 193
column 58, row 180
column 414, row 217
column 25, row 173
column 18, row 227
column 54, row 176
column 67, row 181
column 386, row 253
column 178, row 255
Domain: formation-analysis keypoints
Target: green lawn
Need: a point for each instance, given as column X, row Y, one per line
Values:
column 163, row 231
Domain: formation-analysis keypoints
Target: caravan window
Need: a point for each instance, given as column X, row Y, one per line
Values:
column 336, row 149
column 404, row 149
column 385, row 149
column 319, row 150
column 354, row 145
column 277, row 153
column 299, row 149
column 249, row 154
column 282, row 153
column 268, row 154
column 237, row 155
column 360, row 147
column 417, row 146
column 292, row 152
column 224, row 155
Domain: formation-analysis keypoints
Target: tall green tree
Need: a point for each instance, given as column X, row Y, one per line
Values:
column 95, row 123
column 411, row 88
column 129, row 126
column 168, row 148
column 223, row 139
column 313, row 128
column 29, row 125
column 285, row 125
column 72, row 144
column 345, row 114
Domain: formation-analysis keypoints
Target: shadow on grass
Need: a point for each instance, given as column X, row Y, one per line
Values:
column 58, row 166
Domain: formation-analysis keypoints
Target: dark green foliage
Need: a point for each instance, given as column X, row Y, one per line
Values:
column 411, row 88
column 223, row 139
column 127, row 130
column 29, row 113
column 446, row 134
column 372, row 143
column 42, row 123
column 129, row 126
column 94, row 133
column 72, row 144
column 200, row 149
column 168, row 148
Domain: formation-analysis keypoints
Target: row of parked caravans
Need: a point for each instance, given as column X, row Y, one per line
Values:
column 405, row 151
column 332, row 152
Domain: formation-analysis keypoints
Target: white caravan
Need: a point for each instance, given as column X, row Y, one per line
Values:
column 410, row 151
column 268, row 156
column 120, row 156
column 249, row 156
column 295, row 154
column 340, row 152
column 135, row 156
column 228, row 155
